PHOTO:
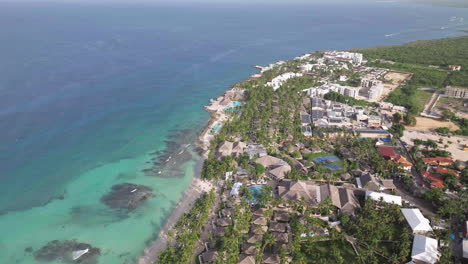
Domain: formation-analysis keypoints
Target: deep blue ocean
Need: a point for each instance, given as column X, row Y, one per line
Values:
column 89, row 91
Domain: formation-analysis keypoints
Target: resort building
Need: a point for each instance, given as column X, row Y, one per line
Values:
column 351, row 57
column 371, row 183
column 372, row 88
column 277, row 168
column 255, row 150
column 280, row 80
column 387, row 198
column 424, row 250
column 403, row 162
column 294, row 190
column 438, row 161
column 388, row 153
column 342, row 198
column 392, row 108
column 418, row 223
column 368, row 182
column 322, row 90
column 306, row 131
column 227, row 148
column 244, row 259
column 307, row 67
column 457, row 92
column 305, row 119
column 435, row 180
column 374, row 121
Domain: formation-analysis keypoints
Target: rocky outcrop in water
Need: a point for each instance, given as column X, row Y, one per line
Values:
column 166, row 162
column 127, row 196
column 68, row 251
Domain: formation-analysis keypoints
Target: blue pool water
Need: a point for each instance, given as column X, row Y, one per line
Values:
column 255, row 191
column 236, row 104
column 326, row 159
column 215, row 128
column 233, row 106
column 329, row 162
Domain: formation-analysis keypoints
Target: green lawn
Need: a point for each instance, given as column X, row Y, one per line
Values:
column 423, row 97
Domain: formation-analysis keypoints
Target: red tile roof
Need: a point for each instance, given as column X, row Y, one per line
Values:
column 449, row 171
column 387, row 152
column 434, row 179
column 403, row 161
column 438, row 160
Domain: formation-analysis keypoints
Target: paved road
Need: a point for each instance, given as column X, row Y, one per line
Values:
column 426, row 207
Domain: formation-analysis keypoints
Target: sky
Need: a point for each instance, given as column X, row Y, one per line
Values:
column 190, row 1
column 452, row 3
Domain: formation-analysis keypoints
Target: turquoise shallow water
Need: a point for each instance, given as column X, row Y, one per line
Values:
column 84, row 218
column 88, row 92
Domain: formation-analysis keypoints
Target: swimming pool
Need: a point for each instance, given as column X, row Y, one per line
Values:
column 256, row 191
column 326, row 159
column 233, row 106
column 215, row 128
column 329, row 162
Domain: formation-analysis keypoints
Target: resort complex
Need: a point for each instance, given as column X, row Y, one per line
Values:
column 312, row 160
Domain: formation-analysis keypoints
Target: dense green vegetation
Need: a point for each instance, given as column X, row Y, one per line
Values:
column 236, row 234
column 461, row 122
column 441, row 52
column 420, row 58
column 381, row 233
column 215, row 169
column 187, row 232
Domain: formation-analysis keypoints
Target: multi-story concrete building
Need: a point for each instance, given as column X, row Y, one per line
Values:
column 375, row 92
column 355, row 58
column 457, row 92
column 372, row 88
column 280, row 80
column 326, row 88
column 352, row 92
column 368, row 83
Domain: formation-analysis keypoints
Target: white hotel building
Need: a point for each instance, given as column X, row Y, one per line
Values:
column 320, row 91
column 355, row 58
column 279, row 80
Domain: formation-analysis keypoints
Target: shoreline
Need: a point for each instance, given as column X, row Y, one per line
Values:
column 198, row 186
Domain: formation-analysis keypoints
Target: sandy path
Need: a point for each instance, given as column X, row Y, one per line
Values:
column 429, row 124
